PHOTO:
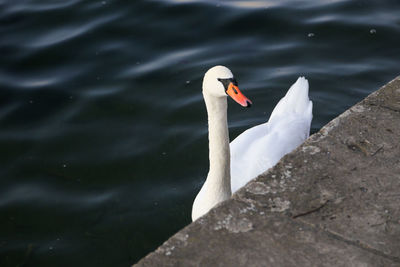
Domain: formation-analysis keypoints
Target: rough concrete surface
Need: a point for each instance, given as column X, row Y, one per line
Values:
column 334, row 201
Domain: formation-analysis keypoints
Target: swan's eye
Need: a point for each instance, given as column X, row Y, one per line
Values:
column 226, row 82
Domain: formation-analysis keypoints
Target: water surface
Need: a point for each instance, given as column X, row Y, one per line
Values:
column 103, row 133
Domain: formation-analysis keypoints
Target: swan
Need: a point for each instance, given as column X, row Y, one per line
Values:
column 257, row 149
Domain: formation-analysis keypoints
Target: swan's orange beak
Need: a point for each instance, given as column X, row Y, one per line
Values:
column 234, row 92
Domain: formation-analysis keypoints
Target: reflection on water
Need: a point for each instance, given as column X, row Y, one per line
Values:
column 103, row 129
column 263, row 3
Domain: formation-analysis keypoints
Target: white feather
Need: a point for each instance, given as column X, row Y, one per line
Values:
column 261, row 147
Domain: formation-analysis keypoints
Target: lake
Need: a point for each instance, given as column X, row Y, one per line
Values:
column 103, row 128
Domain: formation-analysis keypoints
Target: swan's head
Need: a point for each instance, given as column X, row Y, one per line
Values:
column 220, row 82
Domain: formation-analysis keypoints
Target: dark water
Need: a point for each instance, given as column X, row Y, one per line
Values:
column 103, row 133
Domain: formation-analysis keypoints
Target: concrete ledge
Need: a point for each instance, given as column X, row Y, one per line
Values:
column 334, row 201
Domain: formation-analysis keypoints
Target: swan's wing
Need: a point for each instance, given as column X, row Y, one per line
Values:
column 256, row 153
column 295, row 101
column 239, row 149
column 261, row 147
column 240, row 143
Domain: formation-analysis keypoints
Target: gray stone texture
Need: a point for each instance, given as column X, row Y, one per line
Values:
column 334, row 201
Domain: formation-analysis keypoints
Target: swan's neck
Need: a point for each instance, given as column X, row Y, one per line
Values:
column 218, row 180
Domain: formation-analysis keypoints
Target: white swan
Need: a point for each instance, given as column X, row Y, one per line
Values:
column 256, row 149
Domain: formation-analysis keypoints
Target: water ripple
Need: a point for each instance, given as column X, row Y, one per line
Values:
column 26, row 7
column 25, row 194
column 262, row 3
column 40, row 79
column 160, row 62
column 66, row 33
column 110, row 92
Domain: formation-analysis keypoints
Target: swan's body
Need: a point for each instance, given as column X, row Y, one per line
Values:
column 256, row 149
column 261, row 147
